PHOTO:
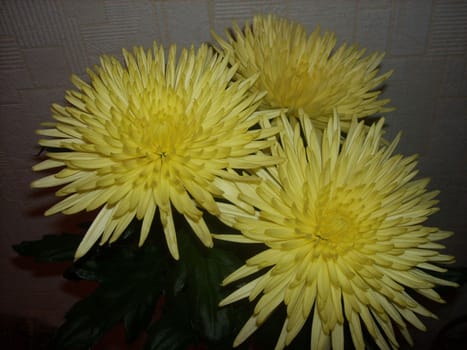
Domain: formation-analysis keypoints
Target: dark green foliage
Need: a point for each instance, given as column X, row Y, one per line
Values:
column 174, row 329
column 175, row 303
column 51, row 248
column 200, row 273
column 131, row 280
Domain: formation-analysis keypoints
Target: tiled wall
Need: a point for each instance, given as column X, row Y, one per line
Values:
column 42, row 42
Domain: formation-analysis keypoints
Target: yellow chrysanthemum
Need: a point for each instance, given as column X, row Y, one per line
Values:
column 345, row 242
column 302, row 72
column 150, row 135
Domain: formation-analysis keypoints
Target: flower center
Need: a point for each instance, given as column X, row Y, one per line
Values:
column 288, row 88
column 334, row 226
column 297, row 86
column 332, row 232
column 159, row 128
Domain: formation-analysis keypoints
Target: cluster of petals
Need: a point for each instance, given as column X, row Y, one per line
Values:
column 342, row 226
column 265, row 135
column 152, row 134
column 306, row 73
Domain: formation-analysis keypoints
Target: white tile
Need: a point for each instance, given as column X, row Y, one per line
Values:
column 48, row 66
column 372, row 27
column 410, row 27
column 455, row 77
column 187, row 22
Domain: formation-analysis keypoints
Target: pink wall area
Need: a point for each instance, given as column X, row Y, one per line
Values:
column 43, row 42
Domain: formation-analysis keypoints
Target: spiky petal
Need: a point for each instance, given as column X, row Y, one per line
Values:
column 152, row 135
column 304, row 72
column 342, row 226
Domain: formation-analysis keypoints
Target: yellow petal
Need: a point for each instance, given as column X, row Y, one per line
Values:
column 94, row 232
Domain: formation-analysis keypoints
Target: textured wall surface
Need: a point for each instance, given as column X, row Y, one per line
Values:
column 42, row 42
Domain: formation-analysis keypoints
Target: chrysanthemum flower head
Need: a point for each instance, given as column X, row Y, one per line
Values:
column 342, row 225
column 306, row 72
column 150, row 135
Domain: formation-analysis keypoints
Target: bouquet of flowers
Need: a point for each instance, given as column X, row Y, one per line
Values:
column 240, row 190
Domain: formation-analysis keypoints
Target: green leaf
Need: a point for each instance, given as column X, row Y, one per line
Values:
column 139, row 316
column 173, row 331
column 168, row 337
column 86, row 322
column 51, row 248
column 131, row 281
column 201, row 271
